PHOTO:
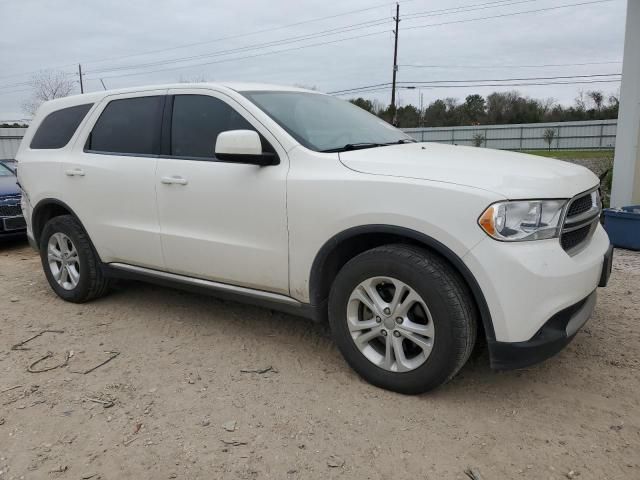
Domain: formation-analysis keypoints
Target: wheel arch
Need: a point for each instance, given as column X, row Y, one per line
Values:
column 45, row 210
column 345, row 245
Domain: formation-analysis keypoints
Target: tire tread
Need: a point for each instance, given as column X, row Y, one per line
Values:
column 97, row 282
column 463, row 316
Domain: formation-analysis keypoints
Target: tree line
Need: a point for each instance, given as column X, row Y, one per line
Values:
column 497, row 108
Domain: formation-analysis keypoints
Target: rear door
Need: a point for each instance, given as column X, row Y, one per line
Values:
column 109, row 181
column 222, row 221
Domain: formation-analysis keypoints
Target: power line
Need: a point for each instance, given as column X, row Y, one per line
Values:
column 502, row 3
column 507, row 14
column 257, row 46
column 352, row 38
column 282, row 27
column 481, row 6
column 240, row 35
column 385, row 85
column 29, row 82
column 432, row 87
column 406, row 65
column 322, row 33
column 228, row 37
column 470, row 81
column 39, row 70
column 520, row 79
column 245, row 57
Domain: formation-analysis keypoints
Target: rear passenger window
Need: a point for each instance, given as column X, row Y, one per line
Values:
column 197, row 120
column 129, row 126
column 58, row 127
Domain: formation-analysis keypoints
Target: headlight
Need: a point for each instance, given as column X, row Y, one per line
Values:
column 523, row 220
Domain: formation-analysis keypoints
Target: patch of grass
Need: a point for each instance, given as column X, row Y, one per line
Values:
column 577, row 154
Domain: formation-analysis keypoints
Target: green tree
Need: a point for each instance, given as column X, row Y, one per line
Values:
column 474, row 109
column 407, row 116
column 364, row 104
column 435, row 114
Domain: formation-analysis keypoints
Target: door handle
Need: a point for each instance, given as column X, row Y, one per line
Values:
column 175, row 180
column 74, row 172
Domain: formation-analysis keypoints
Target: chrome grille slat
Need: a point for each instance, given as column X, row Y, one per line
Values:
column 581, row 219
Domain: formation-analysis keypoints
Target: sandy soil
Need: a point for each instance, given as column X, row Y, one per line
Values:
column 175, row 402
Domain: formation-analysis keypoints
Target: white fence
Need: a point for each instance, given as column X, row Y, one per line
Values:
column 526, row 136
column 10, row 141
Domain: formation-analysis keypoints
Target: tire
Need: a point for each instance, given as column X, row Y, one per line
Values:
column 439, row 329
column 69, row 241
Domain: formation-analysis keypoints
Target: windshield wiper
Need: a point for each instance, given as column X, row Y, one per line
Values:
column 402, row 141
column 354, row 146
column 363, row 145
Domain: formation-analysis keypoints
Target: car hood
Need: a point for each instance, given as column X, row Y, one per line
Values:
column 513, row 175
column 8, row 186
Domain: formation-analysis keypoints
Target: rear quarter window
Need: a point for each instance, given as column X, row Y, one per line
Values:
column 58, row 127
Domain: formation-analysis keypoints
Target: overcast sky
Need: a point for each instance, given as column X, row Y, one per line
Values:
column 102, row 35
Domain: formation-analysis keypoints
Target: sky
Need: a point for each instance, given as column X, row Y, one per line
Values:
column 324, row 44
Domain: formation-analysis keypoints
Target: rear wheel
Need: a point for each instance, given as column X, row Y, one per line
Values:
column 69, row 261
column 402, row 318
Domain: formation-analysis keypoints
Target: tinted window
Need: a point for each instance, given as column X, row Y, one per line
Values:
column 197, row 121
column 130, row 125
column 58, row 127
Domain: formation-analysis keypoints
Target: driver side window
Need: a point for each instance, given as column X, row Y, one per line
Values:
column 196, row 122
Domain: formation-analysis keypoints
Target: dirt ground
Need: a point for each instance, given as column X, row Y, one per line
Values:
column 177, row 403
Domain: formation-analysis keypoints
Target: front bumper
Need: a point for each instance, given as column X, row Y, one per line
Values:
column 527, row 283
column 554, row 335
column 538, row 295
column 12, row 222
column 12, row 226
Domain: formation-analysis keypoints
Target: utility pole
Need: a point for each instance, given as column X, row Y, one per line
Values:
column 80, row 74
column 626, row 166
column 395, row 66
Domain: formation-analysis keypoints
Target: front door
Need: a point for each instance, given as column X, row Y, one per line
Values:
column 220, row 221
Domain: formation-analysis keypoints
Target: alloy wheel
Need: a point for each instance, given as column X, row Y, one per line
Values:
column 64, row 261
column 390, row 324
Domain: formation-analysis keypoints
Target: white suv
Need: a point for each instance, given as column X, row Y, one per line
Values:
column 299, row 201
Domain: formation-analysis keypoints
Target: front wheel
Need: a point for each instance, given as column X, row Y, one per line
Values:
column 69, row 261
column 402, row 318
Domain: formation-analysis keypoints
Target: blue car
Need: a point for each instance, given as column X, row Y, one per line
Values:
column 12, row 222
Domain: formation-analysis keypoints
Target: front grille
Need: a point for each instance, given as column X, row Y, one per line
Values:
column 10, row 210
column 580, row 205
column 571, row 240
column 580, row 221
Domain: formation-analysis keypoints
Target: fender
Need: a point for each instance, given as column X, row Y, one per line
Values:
column 319, row 264
column 45, row 202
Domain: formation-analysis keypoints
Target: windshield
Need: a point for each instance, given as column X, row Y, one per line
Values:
column 324, row 123
column 5, row 171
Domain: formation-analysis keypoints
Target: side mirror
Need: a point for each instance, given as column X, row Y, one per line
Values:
column 243, row 146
